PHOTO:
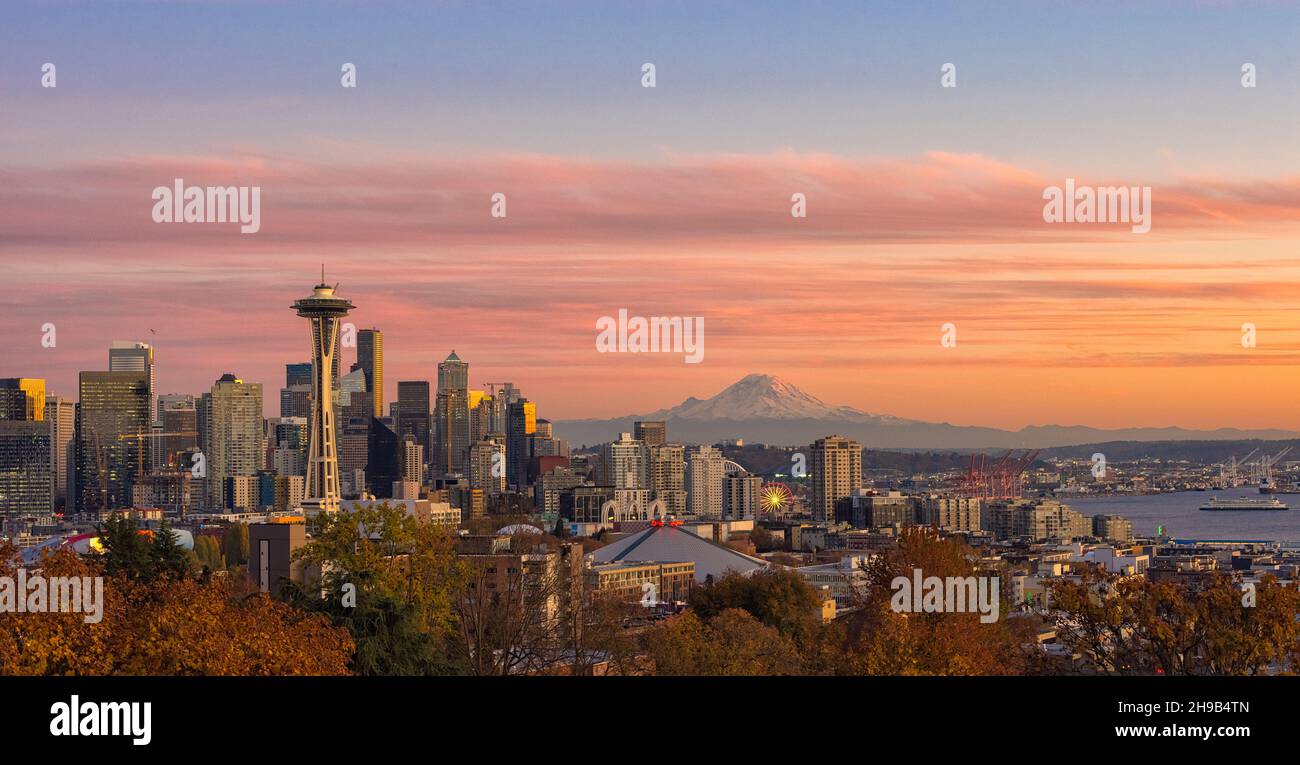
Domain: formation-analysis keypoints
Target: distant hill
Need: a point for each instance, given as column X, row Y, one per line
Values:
column 766, row 409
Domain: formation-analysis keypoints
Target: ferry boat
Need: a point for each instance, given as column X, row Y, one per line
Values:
column 1245, row 503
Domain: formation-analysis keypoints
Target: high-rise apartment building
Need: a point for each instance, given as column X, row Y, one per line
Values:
column 112, row 447
column 412, row 460
column 370, row 358
column 707, row 469
column 741, row 496
column 233, row 439
column 623, row 463
column 836, row 472
column 667, row 476
column 487, row 465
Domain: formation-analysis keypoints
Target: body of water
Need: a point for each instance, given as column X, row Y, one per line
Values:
column 1182, row 519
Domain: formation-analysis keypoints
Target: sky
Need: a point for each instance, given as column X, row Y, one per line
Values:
column 924, row 203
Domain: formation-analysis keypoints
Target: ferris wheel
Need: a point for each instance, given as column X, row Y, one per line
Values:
column 776, row 499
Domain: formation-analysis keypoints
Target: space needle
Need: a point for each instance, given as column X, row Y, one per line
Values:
column 323, row 309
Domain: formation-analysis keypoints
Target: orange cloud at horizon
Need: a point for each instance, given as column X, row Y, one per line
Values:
column 1056, row 324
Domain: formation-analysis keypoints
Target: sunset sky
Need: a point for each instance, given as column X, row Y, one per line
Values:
column 924, row 203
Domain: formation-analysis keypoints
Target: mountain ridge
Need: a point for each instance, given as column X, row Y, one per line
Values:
column 767, row 409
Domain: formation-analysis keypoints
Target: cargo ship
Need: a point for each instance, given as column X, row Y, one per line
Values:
column 1244, row 503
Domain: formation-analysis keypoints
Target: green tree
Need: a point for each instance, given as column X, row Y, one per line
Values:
column 234, row 544
column 391, row 580
column 208, row 551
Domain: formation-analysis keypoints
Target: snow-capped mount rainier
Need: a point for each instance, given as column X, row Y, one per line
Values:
column 758, row 397
column 763, row 408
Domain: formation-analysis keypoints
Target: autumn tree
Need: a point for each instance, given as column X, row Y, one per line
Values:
column 731, row 643
column 879, row 640
column 1131, row 625
column 162, row 625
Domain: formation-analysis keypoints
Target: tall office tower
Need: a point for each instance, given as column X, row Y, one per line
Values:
column 111, row 443
column 297, row 373
column 487, row 465
column 180, row 420
column 413, row 410
column 323, row 309
column 667, row 476
column 290, row 435
column 836, row 471
column 128, row 356
column 740, row 496
column 623, row 463
column 27, row 457
column 61, row 414
column 233, row 432
column 370, row 358
column 522, row 423
column 383, row 459
column 412, row 466
column 500, row 411
column 452, row 415
column 26, row 468
column 651, row 432
column 295, row 396
column 22, row 399
column 707, row 470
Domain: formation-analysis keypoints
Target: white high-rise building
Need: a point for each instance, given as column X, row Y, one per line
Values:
column 487, row 466
column 741, row 496
column 668, row 476
column 233, row 442
column 707, row 470
column 624, row 463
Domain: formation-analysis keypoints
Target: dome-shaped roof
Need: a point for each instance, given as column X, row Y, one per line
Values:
column 520, row 528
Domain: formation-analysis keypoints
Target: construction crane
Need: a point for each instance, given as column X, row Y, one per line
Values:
column 1264, row 469
column 1228, row 470
column 1003, row 479
column 139, row 436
